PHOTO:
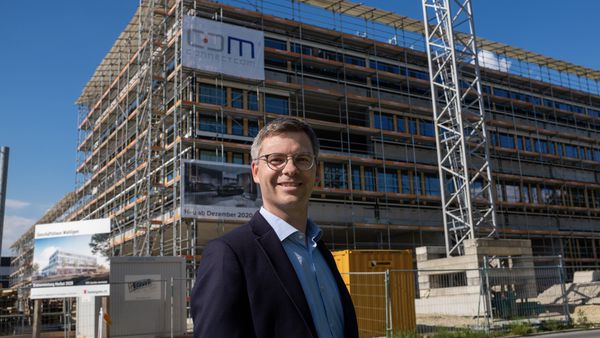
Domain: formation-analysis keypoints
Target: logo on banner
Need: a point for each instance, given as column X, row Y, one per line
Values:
column 223, row 48
column 216, row 42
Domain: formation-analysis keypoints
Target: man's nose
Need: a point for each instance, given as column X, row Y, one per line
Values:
column 290, row 167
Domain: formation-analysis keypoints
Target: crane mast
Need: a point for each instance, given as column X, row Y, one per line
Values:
column 467, row 189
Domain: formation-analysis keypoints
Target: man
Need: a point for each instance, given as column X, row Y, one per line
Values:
column 273, row 277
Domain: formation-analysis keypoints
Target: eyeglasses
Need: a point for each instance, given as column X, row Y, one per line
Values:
column 278, row 161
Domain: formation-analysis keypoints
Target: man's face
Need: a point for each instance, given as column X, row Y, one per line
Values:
column 289, row 189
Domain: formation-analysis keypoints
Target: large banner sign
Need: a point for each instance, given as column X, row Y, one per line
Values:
column 222, row 48
column 71, row 259
column 220, row 191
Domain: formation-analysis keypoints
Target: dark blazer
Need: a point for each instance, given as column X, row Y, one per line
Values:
column 247, row 287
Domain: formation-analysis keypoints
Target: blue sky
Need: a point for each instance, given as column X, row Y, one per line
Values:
column 51, row 49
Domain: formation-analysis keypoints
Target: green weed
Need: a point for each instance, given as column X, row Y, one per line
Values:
column 552, row 325
column 521, row 328
column 462, row 333
column 407, row 334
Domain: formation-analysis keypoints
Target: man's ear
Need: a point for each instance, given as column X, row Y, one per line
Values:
column 255, row 177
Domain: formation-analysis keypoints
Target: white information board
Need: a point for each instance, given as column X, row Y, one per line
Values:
column 71, row 259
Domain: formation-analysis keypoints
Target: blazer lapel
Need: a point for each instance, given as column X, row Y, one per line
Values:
column 271, row 245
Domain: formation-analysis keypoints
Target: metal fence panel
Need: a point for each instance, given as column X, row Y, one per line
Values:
column 369, row 292
column 528, row 289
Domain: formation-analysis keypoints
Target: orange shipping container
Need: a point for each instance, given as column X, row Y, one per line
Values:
column 368, row 290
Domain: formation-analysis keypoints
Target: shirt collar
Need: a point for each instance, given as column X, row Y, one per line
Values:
column 313, row 231
column 283, row 229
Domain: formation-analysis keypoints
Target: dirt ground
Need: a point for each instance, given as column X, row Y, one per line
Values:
column 586, row 314
column 464, row 321
column 448, row 321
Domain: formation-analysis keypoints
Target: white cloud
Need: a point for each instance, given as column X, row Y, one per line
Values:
column 494, row 61
column 16, row 204
column 14, row 227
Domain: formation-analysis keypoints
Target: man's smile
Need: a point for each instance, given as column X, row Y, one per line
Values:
column 290, row 184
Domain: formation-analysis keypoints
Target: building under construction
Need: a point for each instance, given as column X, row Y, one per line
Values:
column 162, row 133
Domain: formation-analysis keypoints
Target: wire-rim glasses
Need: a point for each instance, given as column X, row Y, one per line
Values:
column 278, row 161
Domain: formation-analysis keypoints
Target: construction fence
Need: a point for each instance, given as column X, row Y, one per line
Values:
column 389, row 303
column 505, row 292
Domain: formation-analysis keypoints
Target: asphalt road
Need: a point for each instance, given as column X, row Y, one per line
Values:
column 573, row 334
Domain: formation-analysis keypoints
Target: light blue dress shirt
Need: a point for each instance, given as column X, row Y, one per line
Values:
column 317, row 281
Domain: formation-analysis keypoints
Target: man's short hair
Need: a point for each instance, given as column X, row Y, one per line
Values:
column 280, row 126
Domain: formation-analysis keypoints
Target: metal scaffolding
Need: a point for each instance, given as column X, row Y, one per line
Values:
column 148, row 124
column 359, row 76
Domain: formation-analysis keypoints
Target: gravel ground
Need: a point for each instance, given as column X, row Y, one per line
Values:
column 448, row 321
column 590, row 312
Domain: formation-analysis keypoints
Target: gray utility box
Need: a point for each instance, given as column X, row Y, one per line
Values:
column 147, row 296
